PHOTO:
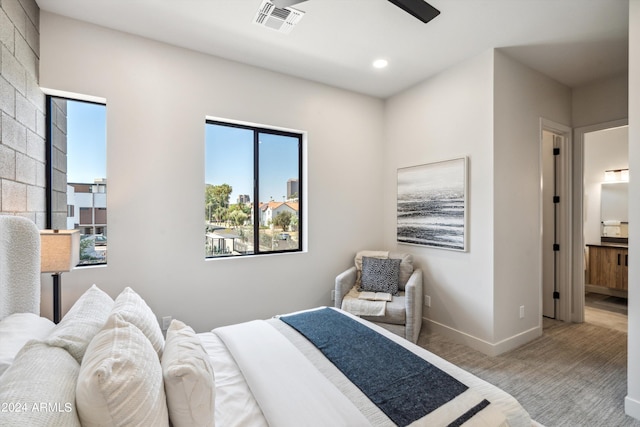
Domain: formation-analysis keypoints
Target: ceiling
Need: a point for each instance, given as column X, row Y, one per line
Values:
column 573, row 41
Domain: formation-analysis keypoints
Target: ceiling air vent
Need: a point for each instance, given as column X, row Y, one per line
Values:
column 279, row 19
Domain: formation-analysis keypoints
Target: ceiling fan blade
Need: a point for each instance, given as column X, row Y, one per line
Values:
column 418, row 8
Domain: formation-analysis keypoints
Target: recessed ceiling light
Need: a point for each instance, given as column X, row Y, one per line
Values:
column 380, row 63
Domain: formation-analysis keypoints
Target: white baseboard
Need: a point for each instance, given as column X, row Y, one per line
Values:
column 490, row 349
column 632, row 407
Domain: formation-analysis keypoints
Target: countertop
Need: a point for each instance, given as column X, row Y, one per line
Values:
column 610, row 245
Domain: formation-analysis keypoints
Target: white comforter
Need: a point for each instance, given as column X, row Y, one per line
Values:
column 268, row 374
column 290, row 390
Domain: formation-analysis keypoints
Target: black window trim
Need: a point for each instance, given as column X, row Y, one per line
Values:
column 49, row 96
column 257, row 130
column 49, row 151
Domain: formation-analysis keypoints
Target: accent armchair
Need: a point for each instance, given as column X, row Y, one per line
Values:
column 402, row 315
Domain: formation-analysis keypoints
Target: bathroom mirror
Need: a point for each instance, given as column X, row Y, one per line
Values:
column 614, row 202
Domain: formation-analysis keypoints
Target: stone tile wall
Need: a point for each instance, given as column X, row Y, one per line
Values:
column 22, row 113
column 59, row 163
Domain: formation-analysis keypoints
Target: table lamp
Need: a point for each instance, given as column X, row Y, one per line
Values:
column 59, row 252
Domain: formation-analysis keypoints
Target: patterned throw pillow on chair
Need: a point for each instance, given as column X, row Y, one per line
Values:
column 380, row 275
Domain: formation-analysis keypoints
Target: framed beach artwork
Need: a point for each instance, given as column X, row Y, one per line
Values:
column 432, row 205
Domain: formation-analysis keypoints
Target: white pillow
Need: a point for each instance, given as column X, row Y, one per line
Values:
column 83, row 321
column 16, row 330
column 120, row 381
column 39, row 388
column 188, row 378
column 135, row 310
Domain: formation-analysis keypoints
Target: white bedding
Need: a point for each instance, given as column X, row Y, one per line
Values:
column 16, row 330
column 237, row 406
column 273, row 368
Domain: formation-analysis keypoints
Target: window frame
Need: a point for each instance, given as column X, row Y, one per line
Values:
column 50, row 95
column 257, row 212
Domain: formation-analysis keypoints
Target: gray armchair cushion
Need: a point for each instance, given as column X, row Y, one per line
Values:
column 396, row 312
column 380, row 275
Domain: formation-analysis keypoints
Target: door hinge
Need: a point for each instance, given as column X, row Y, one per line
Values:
column 556, row 295
column 556, row 151
column 556, row 199
column 556, row 247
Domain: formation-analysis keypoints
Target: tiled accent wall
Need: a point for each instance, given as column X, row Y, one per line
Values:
column 22, row 110
column 59, row 163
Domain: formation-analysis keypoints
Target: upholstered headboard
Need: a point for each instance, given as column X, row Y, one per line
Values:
column 19, row 266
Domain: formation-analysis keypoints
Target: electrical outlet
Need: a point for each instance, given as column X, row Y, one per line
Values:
column 166, row 321
column 522, row 311
column 427, row 300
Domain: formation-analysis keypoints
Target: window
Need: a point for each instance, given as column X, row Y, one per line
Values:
column 76, row 181
column 253, row 190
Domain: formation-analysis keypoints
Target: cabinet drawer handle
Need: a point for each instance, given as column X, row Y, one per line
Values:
column 626, row 260
column 618, row 259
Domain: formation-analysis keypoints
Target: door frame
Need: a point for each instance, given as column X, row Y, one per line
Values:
column 578, row 216
column 565, row 214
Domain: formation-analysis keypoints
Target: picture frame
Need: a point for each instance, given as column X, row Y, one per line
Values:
column 432, row 205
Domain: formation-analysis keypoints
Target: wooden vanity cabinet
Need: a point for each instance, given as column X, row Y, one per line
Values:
column 609, row 266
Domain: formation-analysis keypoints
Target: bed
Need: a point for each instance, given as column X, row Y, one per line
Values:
column 108, row 363
column 269, row 373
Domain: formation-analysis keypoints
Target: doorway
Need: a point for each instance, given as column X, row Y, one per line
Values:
column 605, row 226
column 586, row 211
column 555, row 196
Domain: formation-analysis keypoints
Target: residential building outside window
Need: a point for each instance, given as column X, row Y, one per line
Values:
column 253, row 182
column 76, row 182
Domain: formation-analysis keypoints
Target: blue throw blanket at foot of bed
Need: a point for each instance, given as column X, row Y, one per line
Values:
column 403, row 385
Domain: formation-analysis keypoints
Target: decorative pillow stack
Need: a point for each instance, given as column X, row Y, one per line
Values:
column 380, row 275
column 120, row 380
column 188, row 378
column 39, row 388
column 42, row 378
column 106, row 364
column 135, row 310
column 83, row 321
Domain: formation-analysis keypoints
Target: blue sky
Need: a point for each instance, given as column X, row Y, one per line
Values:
column 86, row 141
column 229, row 160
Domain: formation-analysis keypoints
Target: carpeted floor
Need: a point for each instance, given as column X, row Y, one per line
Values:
column 573, row 375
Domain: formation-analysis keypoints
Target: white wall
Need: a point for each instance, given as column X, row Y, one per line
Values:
column 157, row 99
column 600, row 101
column 445, row 117
column 487, row 108
column 522, row 97
column 632, row 403
column 603, row 150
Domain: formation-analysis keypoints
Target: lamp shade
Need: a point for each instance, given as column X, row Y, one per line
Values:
column 59, row 250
